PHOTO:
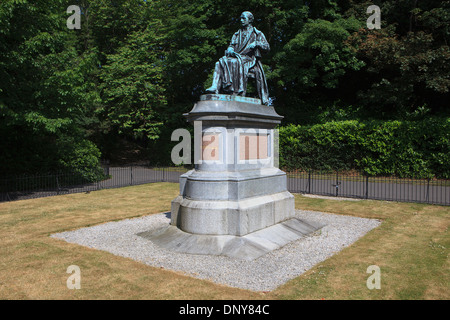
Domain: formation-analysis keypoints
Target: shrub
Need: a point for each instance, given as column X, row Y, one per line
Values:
column 83, row 159
column 402, row 148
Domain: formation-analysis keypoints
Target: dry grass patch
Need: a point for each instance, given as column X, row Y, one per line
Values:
column 410, row 247
column 33, row 265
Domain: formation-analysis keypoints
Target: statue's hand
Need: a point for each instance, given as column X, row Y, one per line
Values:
column 230, row 52
column 252, row 45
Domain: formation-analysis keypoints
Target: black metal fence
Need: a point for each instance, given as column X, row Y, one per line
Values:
column 430, row 191
column 37, row 186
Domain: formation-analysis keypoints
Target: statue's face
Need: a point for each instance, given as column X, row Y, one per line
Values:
column 244, row 20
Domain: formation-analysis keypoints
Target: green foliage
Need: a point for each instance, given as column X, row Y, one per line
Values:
column 46, row 92
column 401, row 148
column 136, row 66
column 82, row 159
column 318, row 56
column 314, row 69
column 328, row 146
column 107, row 23
column 133, row 94
column 407, row 73
column 407, row 61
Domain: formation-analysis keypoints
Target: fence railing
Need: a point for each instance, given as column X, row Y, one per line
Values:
column 430, row 191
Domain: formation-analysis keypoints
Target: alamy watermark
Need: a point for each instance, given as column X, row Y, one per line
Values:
column 374, row 281
column 74, row 281
column 219, row 145
column 74, row 21
column 374, row 21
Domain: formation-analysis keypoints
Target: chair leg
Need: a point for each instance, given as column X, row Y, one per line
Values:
column 244, row 94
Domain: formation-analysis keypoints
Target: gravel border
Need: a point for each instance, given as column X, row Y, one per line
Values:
column 308, row 195
column 262, row 274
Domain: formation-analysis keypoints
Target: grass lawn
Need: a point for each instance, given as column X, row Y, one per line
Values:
column 411, row 248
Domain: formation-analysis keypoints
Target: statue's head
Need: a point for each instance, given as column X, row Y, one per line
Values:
column 246, row 18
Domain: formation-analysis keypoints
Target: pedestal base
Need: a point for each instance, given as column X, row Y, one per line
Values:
column 237, row 218
column 248, row 247
column 235, row 202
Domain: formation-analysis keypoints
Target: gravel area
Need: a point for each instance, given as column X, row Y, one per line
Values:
column 262, row 274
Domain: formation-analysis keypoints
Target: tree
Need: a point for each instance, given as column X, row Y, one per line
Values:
column 311, row 66
column 407, row 61
column 133, row 92
column 45, row 96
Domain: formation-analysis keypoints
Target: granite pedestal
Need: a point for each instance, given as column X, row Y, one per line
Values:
column 235, row 202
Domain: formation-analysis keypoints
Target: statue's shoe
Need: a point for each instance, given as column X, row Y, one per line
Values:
column 212, row 90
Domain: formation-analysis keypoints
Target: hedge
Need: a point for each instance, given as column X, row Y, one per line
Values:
column 418, row 149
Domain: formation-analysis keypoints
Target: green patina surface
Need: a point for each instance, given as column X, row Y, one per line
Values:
column 228, row 97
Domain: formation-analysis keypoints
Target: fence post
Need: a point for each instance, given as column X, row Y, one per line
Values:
column 107, row 168
column 337, row 183
column 428, row 191
column 309, row 181
column 131, row 175
column 57, row 185
column 367, row 187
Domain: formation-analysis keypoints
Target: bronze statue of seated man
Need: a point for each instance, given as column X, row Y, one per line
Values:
column 242, row 60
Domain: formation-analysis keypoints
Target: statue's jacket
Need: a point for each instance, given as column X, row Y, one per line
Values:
column 236, row 70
